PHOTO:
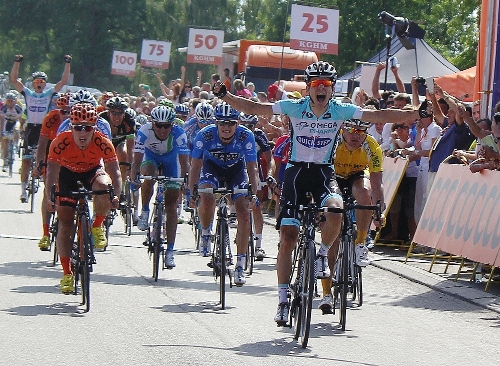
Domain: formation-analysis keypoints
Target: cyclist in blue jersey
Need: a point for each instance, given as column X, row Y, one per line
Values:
column 161, row 142
column 315, row 121
column 37, row 106
column 84, row 96
column 203, row 116
column 224, row 154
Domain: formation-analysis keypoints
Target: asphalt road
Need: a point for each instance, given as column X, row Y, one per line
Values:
column 177, row 321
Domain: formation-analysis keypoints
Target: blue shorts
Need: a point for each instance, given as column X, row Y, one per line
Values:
column 231, row 177
column 169, row 163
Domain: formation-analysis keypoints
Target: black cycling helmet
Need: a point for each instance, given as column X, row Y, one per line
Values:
column 117, row 103
column 357, row 124
column 320, row 69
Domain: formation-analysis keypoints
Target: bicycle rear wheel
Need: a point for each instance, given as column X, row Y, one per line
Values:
column 157, row 241
column 128, row 209
column 250, row 257
column 358, row 285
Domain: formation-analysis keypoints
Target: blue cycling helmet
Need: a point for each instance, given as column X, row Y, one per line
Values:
column 204, row 112
column 181, row 110
column 225, row 112
column 162, row 114
column 249, row 119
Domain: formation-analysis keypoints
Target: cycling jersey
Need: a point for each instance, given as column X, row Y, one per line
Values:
column 175, row 143
column 261, row 141
column 281, row 154
column 191, row 128
column 368, row 157
column 11, row 114
column 64, row 151
column 101, row 125
column 37, row 104
column 313, row 139
column 209, row 147
column 51, row 124
column 126, row 129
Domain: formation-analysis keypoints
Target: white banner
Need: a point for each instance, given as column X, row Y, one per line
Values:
column 205, row 46
column 314, row 29
column 123, row 63
column 155, row 53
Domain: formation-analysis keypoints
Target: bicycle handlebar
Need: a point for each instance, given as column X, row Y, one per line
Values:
column 82, row 192
column 222, row 190
column 162, row 178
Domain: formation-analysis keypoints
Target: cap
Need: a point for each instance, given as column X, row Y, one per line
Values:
column 145, row 87
column 271, row 91
column 294, row 95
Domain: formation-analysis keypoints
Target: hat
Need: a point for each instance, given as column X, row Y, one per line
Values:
column 145, row 87
column 294, row 95
column 271, row 91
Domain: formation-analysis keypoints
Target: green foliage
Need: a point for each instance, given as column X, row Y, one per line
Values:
column 45, row 30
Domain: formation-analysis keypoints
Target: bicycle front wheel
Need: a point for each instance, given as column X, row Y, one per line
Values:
column 307, row 294
column 32, row 191
column 85, row 261
column 222, row 242
column 128, row 209
column 54, row 226
column 344, row 282
column 157, row 241
column 250, row 257
column 10, row 155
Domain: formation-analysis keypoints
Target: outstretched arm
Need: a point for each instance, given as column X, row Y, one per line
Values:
column 244, row 105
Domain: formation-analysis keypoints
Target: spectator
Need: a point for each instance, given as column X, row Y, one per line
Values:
column 384, row 98
column 251, row 89
column 240, row 89
column 144, row 91
column 262, row 97
column 227, row 80
column 274, row 93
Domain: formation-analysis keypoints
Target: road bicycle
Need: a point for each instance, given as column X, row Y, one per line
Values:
column 9, row 158
column 82, row 255
column 155, row 232
column 303, row 276
column 107, row 223
column 33, row 182
column 222, row 258
column 347, row 277
column 53, row 228
column 127, row 207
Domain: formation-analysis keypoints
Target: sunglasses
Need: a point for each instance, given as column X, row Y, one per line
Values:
column 317, row 82
column 227, row 123
column 188, row 86
column 355, row 130
column 39, row 81
column 65, row 112
column 401, row 126
column 163, row 125
column 249, row 126
column 85, row 128
column 117, row 113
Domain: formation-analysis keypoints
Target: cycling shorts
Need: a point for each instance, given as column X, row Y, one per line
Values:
column 31, row 136
column 68, row 182
column 231, row 177
column 170, row 166
column 349, row 181
column 301, row 178
column 8, row 127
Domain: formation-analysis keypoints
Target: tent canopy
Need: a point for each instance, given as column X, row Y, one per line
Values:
column 422, row 61
column 460, row 84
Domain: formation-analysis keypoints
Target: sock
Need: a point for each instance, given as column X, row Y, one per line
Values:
column 283, row 292
column 46, row 231
column 360, row 239
column 258, row 241
column 145, row 208
column 240, row 262
column 323, row 249
column 205, row 231
column 65, row 265
column 23, row 186
column 170, row 247
column 326, row 283
column 99, row 219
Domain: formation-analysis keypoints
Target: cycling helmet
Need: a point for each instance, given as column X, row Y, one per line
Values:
column 142, row 119
column 181, row 110
column 224, row 111
column 357, row 124
column 162, row 114
column 249, row 118
column 82, row 96
column 167, row 103
column 320, row 69
column 63, row 100
column 117, row 103
column 106, row 96
column 83, row 112
column 204, row 112
column 131, row 113
column 39, row 75
column 11, row 96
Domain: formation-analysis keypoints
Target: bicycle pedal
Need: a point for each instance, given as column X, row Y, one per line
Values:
column 283, row 324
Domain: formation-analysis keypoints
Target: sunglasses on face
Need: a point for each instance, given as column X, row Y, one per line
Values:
column 65, row 112
column 317, row 82
column 163, row 125
column 401, row 126
column 85, row 128
column 249, row 126
column 188, row 86
column 121, row 113
column 227, row 123
column 39, row 81
column 355, row 130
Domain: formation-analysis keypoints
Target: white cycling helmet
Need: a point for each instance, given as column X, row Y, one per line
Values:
column 162, row 114
column 320, row 69
column 82, row 96
column 357, row 124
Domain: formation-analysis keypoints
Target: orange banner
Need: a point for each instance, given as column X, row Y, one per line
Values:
column 394, row 171
column 461, row 215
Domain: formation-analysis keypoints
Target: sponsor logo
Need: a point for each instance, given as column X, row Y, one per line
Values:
column 314, row 141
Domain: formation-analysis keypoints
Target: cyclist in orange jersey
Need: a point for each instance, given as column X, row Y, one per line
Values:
column 74, row 156
column 50, row 124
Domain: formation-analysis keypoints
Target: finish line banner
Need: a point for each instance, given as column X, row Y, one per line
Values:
column 461, row 215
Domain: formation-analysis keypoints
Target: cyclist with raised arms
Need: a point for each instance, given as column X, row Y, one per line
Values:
column 358, row 166
column 315, row 121
column 74, row 156
column 224, row 154
column 161, row 142
column 50, row 125
column 37, row 106
column 9, row 115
